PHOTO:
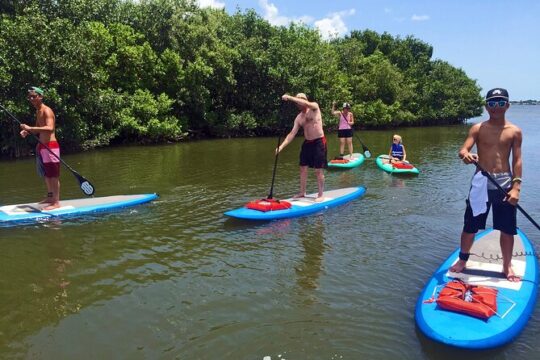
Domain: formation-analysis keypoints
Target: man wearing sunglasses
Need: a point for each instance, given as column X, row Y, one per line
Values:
column 496, row 139
column 48, row 165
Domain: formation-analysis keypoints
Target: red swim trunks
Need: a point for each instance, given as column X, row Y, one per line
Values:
column 48, row 164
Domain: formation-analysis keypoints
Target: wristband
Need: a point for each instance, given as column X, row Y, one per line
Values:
column 516, row 179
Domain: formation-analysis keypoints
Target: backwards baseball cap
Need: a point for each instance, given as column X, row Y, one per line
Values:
column 346, row 105
column 36, row 90
column 301, row 96
column 497, row 93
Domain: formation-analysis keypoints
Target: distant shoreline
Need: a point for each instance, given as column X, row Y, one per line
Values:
column 525, row 102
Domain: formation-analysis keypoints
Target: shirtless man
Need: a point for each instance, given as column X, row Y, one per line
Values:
column 48, row 165
column 313, row 153
column 495, row 140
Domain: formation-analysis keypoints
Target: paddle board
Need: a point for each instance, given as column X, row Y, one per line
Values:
column 515, row 300
column 389, row 168
column 354, row 161
column 33, row 211
column 302, row 206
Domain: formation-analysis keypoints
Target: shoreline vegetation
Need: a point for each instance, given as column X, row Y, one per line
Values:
column 158, row 71
column 525, row 102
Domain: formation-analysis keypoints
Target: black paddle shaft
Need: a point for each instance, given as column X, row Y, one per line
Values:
column 367, row 153
column 85, row 185
column 282, row 115
column 499, row 187
column 271, row 193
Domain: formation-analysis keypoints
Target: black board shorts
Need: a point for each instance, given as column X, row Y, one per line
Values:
column 345, row 133
column 313, row 153
column 504, row 215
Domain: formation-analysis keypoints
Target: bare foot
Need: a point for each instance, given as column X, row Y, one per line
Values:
column 54, row 205
column 511, row 276
column 299, row 196
column 47, row 200
column 319, row 199
column 459, row 266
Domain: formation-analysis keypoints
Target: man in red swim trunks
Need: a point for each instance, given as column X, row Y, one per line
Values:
column 48, row 165
column 313, row 153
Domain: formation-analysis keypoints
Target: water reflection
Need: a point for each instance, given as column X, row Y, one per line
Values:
column 399, row 183
column 347, row 179
column 309, row 268
column 276, row 229
column 57, row 278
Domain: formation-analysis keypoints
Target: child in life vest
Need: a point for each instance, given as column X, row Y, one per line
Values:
column 397, row 151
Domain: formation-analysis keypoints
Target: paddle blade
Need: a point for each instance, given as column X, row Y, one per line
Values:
column 86, row 187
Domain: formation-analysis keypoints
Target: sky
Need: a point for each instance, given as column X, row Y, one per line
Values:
column 495, row 42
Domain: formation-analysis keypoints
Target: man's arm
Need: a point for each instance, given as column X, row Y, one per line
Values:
column 517, row 168
column 49, row 124
column 311, row 105
column 464, row 153
column 290, row 136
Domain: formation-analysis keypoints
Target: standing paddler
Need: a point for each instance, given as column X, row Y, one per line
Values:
column 48, row 165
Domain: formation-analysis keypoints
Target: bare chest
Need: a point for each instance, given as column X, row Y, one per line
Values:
column 496, row 137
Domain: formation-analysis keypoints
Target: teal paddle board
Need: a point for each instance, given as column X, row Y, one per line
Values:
column 382, row 163
column 515, row 300
column 349, row 163
column 13, row 214
column 301, row 206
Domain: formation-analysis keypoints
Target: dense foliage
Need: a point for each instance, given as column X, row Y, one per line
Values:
column 159, row 70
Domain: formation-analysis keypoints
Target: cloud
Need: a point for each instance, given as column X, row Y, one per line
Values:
column 331, row 26
column 387, row 10
column 334, row 25
column 420, row 17
column 211, row 3
column 271, row 14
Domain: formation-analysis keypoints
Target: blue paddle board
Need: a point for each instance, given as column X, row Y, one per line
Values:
column 33, row 212
column 515, row 300
column 382, row 163
column 352, row 162
column 302, row 206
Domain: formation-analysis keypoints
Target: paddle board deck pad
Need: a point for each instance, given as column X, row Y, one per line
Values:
column 382, row 163
column 347, row 162
column 33, row 212
column 301, row 206
column 515, row 300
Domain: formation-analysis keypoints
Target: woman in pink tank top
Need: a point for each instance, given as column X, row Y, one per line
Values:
column 345, row 132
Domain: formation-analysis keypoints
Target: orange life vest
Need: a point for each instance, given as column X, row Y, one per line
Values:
column 401, row 165
column 477, row 301
column 339, row 161
column 265, row 205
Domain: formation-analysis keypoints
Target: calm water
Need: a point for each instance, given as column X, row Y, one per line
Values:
column 176, row 279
